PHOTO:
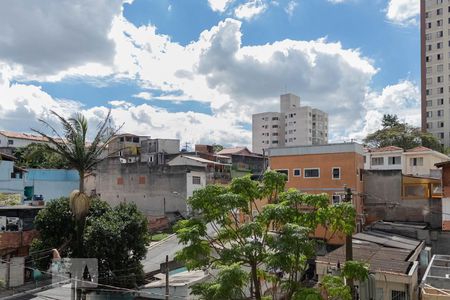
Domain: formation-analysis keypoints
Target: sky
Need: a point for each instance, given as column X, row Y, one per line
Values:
column 197, row 70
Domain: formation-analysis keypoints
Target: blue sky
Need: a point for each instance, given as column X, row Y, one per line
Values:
column 197, row 70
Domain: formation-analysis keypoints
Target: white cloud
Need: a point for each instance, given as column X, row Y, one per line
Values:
column 403, row 12
column 143, row 95
column 217, row 69
column 291, row 7
column 219, row 5
column 250, row 9
column 338, row 1
column 405, row 95
column 47, row 37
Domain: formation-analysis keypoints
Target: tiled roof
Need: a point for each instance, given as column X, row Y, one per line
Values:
column 386, row 149
column 23, row 136
column 235, row 150
column 419, row 149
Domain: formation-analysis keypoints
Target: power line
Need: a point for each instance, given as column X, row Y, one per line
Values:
column 98, row 284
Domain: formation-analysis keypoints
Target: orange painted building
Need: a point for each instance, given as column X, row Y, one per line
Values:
column 327, row 169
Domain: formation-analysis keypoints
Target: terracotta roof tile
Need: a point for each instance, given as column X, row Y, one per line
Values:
column 235, row 150
column 23, row 136
column 386, row 149
column 419, row 149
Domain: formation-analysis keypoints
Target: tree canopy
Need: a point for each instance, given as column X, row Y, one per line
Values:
column 401, row 134
column 117, row 237
column 39, row 156
column 268, row 242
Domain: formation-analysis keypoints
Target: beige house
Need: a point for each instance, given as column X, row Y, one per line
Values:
column 419, row 161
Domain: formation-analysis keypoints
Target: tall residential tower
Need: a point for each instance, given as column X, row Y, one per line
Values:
column 294, row 125
column 435, row 68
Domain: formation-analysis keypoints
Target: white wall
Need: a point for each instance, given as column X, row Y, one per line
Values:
column 8, row 184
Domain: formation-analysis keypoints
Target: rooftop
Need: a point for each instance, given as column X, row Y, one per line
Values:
column 419, row 149
column 23, row 136
column 388, row 240
column 237, row 151
column 179, row 279
column 437, row 274
column 385, row 149
column 317, row 149
column 380, row 258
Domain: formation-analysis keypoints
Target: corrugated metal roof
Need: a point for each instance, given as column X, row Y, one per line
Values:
column 23, row 136
column 388, row 240
column 380, row 258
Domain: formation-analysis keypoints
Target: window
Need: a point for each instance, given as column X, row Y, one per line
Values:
column 440, row 113
column 439, row 34
column 440, row 79
column 439, row 56
column 285, row 172
column 439, row 11
column 312, row 173
column 440, row 101
column 398, row 295
column 377, row 161
column 440, row 68
column 429, row 70
column 196, row 180
column 416, row 161
column 394, row 160
column 440, row 135
column 440, row 124
column 428, row 92
column 336, row 199
column 274, row 142
column 439, row 23
column 429, row 125
column 429, row 25
column 336, row 173
column 297, row 172
column 10, row 142
column 429, row 81
column 430, row 47
column 440, row 90
column 274, row 118
column 274, row 126
column 429, row 114
column 427, row 58
column 429, row 103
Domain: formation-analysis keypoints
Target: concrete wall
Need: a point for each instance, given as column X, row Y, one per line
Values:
column 7, row 184
column 148, row 187
column 383, row 200
column 264, row 133
column 52, row 183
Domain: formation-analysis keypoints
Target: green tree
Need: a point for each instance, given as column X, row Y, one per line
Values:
column 335, row 286
column 396, row 133
column 38, row 156
column 117, row 237
column 217, row 148
column 72, row 145
column 274, row 239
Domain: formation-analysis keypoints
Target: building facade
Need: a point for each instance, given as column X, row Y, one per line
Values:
column 326, row 169
column 294, row 125
column 435, row 68
column 419, row 161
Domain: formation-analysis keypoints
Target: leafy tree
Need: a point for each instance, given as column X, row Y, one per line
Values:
column 229, row 284
column 72, row 145
column 217, row 148
column 396, row 133
column 334, row 285
column 38, row 156
column 273, row 241
column 117, row 237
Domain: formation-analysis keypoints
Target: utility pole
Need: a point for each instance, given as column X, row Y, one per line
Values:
column 167, row 277
column 349, row 243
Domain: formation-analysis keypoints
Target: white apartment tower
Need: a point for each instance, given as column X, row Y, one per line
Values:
column 435, row 68
column 294, row 125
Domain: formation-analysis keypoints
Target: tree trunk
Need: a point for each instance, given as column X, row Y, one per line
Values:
column 81, row 186
column 256, row 282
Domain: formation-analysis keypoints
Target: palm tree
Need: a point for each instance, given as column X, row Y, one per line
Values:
column 73, row 146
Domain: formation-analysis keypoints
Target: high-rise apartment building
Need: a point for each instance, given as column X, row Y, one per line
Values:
column 294, row 125
column 435, row 68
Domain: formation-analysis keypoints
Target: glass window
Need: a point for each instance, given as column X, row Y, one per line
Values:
column 394, row 160
column 297, row 172
column 312, row 173
column 336, row 173
column 285, row 172
column 196, row 180
column 398, row 295
column 416, row 161
column 377, row 161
